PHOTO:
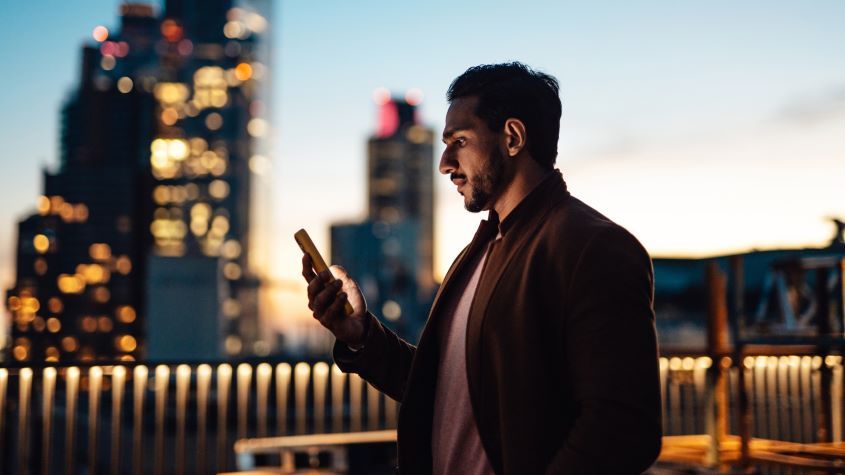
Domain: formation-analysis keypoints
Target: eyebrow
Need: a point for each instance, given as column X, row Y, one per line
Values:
column 450, row 132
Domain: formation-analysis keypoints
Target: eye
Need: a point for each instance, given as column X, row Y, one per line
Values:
column 460, row 141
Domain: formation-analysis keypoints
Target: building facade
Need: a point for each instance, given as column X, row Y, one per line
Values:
column 155, row 184
column 391, row 253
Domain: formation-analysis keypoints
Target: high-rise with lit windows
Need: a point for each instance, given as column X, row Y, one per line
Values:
column 141, row 246
column 391, row 253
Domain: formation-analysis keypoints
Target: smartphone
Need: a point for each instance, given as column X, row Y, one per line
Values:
column 307, row 245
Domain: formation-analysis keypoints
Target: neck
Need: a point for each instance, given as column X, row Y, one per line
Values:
column 526, row 177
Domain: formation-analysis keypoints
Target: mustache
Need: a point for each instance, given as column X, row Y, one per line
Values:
column 457, row 176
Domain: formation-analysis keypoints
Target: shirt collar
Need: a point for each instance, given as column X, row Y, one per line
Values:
column 536, row 200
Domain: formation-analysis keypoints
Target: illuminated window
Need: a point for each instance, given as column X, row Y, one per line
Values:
column 41, row 243
column 20, row 353
column 192, row 191
column 66, row 212
column 169, row 116
column 102, row 294
column 126, row 314
column 231, row 249
column 71, row 284
column 257, row 127
column 38, row 324
column 218, row 189
column 30, row 304
column 88, row 324
column 80, row 212
column 105, row 324
column 54, row 325
column 231, row 308
column 243, row 71
column 108, row 62
column 70, row 344
column 126, row 343
column 232, row 271
column 52, row 353
column 124, row 265
column 233, row 344
column 43, row 205
column 210, row 88
column 54, row 304
column 56, row 203
column 14, row 303
column 161, row 194
column 214, row 121
column 100, row 33
column 100, row 251
column 391, row 310
column 220, row 225
column 125, row 84
column 40, row 266
column 171, row 93
column 93, row 273
column 235, row 30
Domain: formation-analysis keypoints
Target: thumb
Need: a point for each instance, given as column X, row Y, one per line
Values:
column 339, row 273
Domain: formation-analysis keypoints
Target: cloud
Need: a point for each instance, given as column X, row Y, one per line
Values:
column 815, row 109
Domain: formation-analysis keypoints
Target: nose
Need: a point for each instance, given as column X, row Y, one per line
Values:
column 448, row 164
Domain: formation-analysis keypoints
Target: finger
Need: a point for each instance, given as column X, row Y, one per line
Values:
column 326, row 297
column 307, row 268
column 315, row 286
column 335, row 311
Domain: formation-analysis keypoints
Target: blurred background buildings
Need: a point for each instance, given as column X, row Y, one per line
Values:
column 146, row 243
column 156, row 225
column 391, row 253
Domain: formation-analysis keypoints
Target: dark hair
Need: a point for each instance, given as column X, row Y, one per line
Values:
column 514, row 90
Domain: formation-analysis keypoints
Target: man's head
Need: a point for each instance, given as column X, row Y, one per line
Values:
column 497, row 112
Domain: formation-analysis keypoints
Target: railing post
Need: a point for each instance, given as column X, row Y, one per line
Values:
column 718, row 347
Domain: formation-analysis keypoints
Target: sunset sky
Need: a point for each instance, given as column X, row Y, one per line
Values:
column 702, row 127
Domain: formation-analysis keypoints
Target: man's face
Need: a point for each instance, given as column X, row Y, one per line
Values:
column 472, row 158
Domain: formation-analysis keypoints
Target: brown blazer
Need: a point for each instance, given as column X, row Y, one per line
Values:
column 561, row 349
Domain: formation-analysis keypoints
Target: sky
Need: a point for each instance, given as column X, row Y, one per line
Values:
column 702, row 127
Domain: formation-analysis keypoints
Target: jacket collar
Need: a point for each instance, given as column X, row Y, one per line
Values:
column 551, row 187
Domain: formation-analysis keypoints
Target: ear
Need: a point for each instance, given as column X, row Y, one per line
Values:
column 515, row 137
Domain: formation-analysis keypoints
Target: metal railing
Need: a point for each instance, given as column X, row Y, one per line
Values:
column 171, row 418
column 180, row 418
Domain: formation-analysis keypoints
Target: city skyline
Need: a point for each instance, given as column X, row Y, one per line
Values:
column 701, row 131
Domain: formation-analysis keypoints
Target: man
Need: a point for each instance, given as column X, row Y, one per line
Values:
column 539, row 355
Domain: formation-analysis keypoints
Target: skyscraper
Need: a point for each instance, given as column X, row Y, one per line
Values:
column 143, row 234
column 391, row 253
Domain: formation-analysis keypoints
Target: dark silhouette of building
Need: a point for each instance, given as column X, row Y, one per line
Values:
column 391, row 253
column 140, row 247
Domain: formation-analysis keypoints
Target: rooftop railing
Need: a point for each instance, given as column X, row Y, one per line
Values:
column 181, row 418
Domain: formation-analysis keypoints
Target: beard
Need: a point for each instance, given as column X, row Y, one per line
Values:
column 488, row 183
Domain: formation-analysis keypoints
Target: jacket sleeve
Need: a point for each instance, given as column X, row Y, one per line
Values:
column 610, row 350
column 384, row 361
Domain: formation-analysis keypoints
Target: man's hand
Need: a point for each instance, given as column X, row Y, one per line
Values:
column 327, row 301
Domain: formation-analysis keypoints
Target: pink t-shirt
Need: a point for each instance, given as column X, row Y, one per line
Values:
column 456, row 445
